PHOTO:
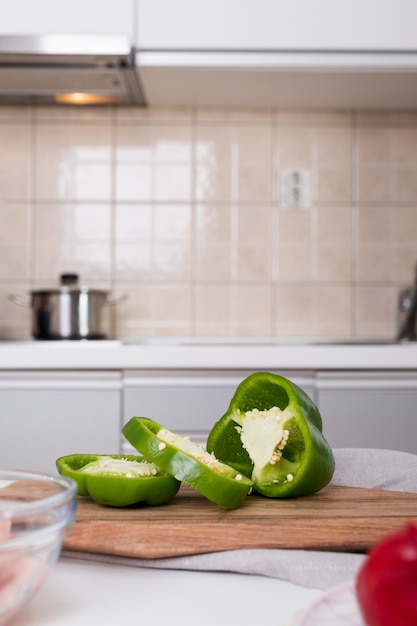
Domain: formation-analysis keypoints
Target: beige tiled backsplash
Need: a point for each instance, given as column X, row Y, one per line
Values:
column 183, row 211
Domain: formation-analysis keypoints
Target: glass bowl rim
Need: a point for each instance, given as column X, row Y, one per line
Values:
column 10, row 509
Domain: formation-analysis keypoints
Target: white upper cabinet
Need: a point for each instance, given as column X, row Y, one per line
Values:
column 249, row 53
column 40, row 17
column 268, row 25
column 275, row 53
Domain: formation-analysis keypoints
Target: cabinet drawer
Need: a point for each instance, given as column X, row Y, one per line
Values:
column 371, row 410
column 44, row 415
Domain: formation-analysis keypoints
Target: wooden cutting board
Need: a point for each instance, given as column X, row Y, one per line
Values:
column 337, row 518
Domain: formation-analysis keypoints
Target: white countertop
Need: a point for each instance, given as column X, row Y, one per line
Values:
column 96, row 594
column 205, row 354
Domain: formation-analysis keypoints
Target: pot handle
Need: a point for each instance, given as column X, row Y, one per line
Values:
column 20, row 300
column 115, row 299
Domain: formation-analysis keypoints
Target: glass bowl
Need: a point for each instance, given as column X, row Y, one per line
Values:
column 37, row 511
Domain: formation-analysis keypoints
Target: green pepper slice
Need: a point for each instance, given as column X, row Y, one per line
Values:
column 188, row 462
column 117, row 480
column 272, row 433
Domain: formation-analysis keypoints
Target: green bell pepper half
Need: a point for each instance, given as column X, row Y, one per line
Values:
column 188, row 462
column 272, row 433
column 118, row 480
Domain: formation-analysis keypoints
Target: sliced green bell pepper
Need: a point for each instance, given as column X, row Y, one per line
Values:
column 272, row 433
column 188, row 462
column 116, row 480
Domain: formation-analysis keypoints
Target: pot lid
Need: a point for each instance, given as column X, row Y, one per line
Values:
column 69, row 283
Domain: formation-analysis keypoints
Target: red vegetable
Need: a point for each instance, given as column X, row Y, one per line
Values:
column 386, row 585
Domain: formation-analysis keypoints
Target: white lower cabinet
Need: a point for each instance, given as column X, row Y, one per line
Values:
column 47, row 414
column 369, row 410
column 188, row 402
column 359, row 409
column 44, row 415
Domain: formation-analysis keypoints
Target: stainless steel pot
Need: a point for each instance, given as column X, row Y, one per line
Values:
column 70, row 311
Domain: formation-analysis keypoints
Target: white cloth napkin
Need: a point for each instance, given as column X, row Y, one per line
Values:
column 376, row 469
column 355, row 467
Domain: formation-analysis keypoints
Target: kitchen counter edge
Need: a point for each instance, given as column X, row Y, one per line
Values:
column 117, row 355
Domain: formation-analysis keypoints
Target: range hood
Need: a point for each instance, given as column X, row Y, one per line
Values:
column 68, row 69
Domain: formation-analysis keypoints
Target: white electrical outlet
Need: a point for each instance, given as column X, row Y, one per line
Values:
column 295, row 189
